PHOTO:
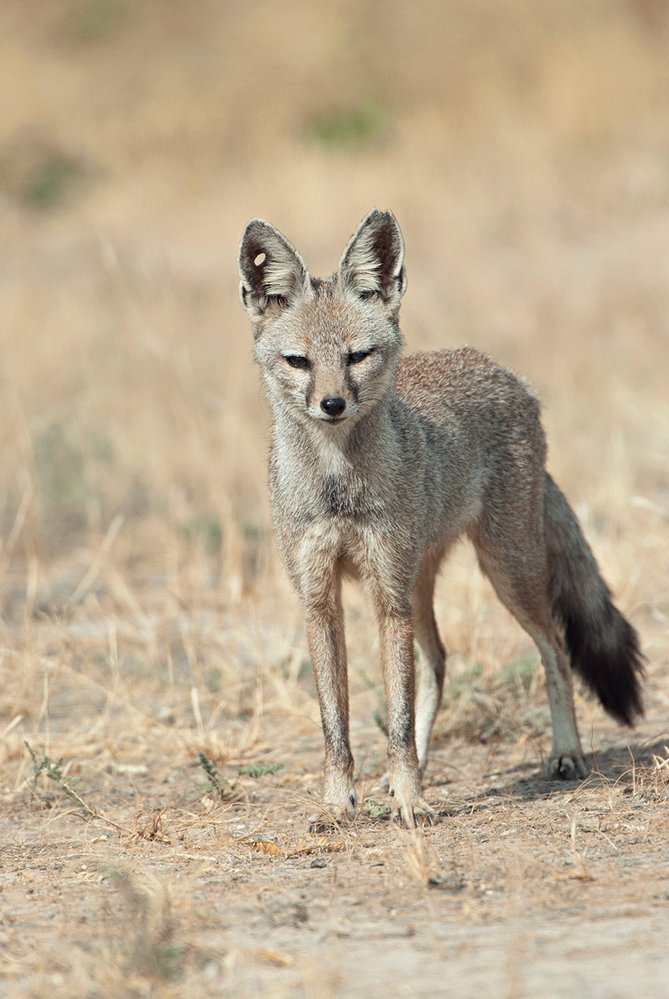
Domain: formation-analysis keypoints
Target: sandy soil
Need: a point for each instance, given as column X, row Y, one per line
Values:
column 131, row 871
column 520, row 889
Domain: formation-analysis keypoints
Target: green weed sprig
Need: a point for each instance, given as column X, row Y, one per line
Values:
column 55, row 773
column 222, row 788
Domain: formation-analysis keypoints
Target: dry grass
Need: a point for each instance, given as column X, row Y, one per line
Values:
column 151, row 654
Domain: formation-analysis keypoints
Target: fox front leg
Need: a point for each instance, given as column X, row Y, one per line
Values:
column 327, row 648
column 404, row 782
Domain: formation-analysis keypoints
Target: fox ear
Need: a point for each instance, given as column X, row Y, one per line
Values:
column 373, row 261
column 271, row 270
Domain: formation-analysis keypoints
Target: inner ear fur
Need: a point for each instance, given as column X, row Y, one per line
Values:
column 373, row 261
column 270, row 268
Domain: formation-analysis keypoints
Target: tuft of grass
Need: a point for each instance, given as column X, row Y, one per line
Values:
column 300, row 670
column 148, row 947
column 61, row 473
column 418, row 863
column 463, row 681
column 213, row 680
column 520, row 672
column 650, row 782
column 487, row 706
column 39, row 174
column 92, row 21
column 536, row 720
column 204, row 528
column 51, row 181
column 352, row 127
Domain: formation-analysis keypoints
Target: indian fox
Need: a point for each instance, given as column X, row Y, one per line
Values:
column 378, row 464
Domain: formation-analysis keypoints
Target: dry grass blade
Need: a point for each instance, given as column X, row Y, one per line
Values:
column 416, row 856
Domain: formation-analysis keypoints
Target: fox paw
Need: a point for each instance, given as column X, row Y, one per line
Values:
column 423, row 813
column 567, row 766
column 415, row 813
column 410, row 808
column 334, row 814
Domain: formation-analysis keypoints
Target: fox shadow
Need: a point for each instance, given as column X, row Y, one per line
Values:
column 617, row 764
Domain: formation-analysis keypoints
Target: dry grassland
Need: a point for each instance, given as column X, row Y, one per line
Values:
column 160, row 747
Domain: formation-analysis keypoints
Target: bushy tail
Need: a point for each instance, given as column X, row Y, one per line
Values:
column 603, row 646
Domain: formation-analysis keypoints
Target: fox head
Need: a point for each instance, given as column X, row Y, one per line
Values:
column 327, row 348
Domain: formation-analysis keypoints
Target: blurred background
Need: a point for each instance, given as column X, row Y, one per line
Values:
column 524, row 147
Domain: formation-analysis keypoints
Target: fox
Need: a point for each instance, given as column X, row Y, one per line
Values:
column 379, row 462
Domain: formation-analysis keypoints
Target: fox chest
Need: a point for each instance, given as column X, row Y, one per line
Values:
column 326, row 495
column 343, row 526
column 324, row 483
column 347, row 497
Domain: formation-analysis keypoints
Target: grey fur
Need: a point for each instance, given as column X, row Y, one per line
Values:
column 429, row 448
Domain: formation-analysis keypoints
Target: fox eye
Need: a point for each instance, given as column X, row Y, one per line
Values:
column 297, row 361
column 357, row 356
column 367, row 295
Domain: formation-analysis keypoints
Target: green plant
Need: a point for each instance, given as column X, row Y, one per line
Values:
column 50, row 181
column 55, row 773
column 259, row 769
column 381, row 720
column 96, row 20
column 463, row 681
column 221, row 787
column 204, row 528
column 347, row 128
column 61, row 473
column 520, row 672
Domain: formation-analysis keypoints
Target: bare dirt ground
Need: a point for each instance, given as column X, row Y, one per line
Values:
column 160, row 747
column 133, row 871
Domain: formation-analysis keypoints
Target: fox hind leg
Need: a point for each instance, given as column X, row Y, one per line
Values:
column 566, row 760
column 519, row 575
column 432, row 657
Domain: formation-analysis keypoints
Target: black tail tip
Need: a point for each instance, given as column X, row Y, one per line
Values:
column 607, row 656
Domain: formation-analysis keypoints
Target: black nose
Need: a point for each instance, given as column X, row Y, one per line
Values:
column 333, row 405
